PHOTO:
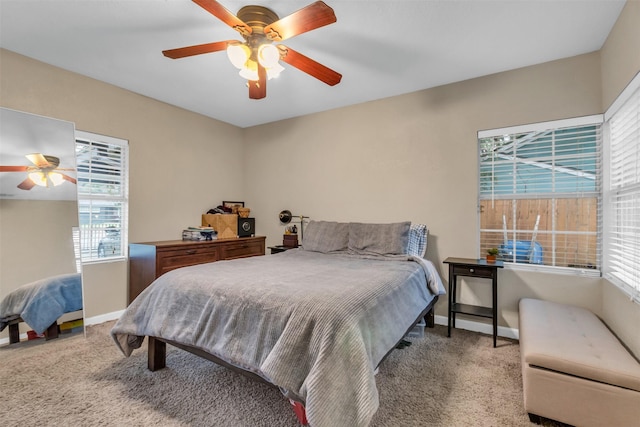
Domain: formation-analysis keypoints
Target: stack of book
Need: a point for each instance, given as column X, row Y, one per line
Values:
column 199, row 233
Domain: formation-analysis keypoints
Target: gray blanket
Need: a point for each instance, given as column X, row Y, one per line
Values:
column 42, row 302
column 316, row 325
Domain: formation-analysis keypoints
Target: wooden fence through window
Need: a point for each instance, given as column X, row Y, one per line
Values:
column 572, row 243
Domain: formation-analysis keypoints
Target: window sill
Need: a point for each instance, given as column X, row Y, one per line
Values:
column 583, row 272
column 104, row 260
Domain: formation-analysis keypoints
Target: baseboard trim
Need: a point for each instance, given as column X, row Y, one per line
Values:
column 95, row 320
column 4, row 341
column 483, row 328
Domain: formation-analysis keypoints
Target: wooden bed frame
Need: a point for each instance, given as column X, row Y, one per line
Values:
column 14, row 331
column 157, row 356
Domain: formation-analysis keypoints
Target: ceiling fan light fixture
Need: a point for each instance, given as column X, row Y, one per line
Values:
column 38, row 178
column 56, row 178
column 274, row 71
column 250, row 70
column 268, row 55
column 238, row 54
column 260, row 27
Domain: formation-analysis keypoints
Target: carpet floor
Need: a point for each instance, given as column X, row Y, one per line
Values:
column 78, row 381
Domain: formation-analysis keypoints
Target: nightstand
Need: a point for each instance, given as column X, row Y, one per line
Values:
column 473, row 268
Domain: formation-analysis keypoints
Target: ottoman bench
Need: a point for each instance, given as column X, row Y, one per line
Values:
column 574, row 369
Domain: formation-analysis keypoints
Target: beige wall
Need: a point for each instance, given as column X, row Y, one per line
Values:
column 621, row 53
column 181, row 163
column 36, row 240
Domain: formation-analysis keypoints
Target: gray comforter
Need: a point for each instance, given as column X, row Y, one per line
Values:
column 316, row 325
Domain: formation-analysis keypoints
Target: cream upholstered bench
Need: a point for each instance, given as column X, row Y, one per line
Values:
column 574, row 369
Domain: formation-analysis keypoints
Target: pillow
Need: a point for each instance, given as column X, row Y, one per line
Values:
column 379, row 239
column 325, row 236
column 417, row 240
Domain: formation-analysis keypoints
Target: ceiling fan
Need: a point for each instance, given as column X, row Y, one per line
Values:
column 257, row 57
column 44, row 172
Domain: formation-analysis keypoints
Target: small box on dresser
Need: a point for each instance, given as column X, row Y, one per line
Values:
column 225, row 224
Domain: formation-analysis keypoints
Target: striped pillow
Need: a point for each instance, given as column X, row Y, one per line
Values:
column 417, row 245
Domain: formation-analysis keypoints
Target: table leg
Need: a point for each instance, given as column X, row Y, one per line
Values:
column 452, row 298
column 495, row 307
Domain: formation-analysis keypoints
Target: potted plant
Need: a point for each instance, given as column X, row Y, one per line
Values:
column 492, row 253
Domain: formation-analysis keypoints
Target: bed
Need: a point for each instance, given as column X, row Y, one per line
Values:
column 40, row 304
column 315, row 322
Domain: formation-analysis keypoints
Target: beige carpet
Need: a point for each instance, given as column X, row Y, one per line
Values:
column 73, row 381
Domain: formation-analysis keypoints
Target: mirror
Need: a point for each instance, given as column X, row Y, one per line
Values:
column 38, row 221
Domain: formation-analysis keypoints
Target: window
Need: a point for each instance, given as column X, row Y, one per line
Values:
column 622, row 191
column 540, row 193
column 102, row 195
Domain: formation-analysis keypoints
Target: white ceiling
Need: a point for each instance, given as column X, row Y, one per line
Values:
column 382, row 48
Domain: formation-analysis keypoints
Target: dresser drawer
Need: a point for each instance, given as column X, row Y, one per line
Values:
column 242, row 249
column 171, row 259
column 148, row 261
column 473, row 271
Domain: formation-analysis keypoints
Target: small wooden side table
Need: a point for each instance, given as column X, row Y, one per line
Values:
column 473, row 268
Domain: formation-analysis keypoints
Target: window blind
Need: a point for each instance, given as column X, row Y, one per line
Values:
column 622, row 193
column 102, row 195
column 540, row 193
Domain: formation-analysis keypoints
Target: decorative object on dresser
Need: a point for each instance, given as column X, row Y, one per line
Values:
column 149, row 261
column 246, row 227
column 226, row 225
column 233, row 206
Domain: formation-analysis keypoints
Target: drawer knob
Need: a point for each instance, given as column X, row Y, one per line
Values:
column 471, row 270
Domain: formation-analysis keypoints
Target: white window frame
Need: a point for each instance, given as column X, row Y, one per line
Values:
column 623, row 270
column 122, row 198
column 542, row 126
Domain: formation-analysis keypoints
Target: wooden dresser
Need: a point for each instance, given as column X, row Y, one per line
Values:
column 150, row 260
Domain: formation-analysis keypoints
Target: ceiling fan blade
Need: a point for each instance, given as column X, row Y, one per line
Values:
column 308, row 18
column 183, row 52
column 14, row 168
column 68, row 178
column 27, row 184
column 258, row 88
column 309, row 66
column 38, row 160
column 223, row 14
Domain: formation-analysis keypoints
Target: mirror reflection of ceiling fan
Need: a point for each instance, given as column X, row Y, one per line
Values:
column 257, row 58
column 44, row 172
